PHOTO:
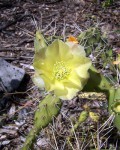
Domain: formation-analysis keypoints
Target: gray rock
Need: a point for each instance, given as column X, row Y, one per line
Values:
column 10, row 76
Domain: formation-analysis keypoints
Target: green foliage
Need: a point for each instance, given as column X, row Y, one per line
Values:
column 48, row 108
column 107, row 3
column 95, row 43
column 92, row 40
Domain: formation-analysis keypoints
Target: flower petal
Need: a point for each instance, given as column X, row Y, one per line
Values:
column 59, row 92
column 76, row 49
column 58, row 51
column 82, row 70
column 71, row 94
column 44, row 67
column 77, row 61
column 48, row 82
column 53, row 51
column 73, row 80
column 38, row 81
column 59, row 88
column 64, row 51
column 38, row 57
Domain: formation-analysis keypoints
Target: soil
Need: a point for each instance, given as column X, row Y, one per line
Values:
column 19, row 20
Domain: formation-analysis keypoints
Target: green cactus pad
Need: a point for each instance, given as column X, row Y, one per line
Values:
column 116, row 107
column 117, row 121
column 48, row 108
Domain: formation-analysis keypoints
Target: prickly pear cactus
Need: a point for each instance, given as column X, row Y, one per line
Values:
column 39, row 42
column 114, row 106
column 48, row 108
column 95, row 42
column 99, row 83
column 91, row 40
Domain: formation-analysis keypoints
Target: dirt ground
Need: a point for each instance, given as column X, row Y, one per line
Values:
column 19, row 19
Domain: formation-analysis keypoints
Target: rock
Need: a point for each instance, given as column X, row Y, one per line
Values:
column 10, row 76
column 43, row 142
column 5, row 142
column 3, row 137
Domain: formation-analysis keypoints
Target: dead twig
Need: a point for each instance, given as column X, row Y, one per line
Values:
column 5, row 49
column 10, row 23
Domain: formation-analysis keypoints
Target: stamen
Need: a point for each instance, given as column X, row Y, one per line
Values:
column 60, row 71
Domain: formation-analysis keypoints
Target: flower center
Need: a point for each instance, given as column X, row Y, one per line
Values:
column 60, row 70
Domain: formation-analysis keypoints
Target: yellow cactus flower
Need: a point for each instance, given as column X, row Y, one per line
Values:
column 61, row 68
